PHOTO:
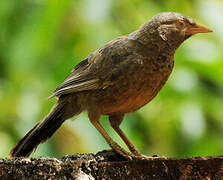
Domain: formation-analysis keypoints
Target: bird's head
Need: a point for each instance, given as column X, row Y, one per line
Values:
column 172, row 28
column 175, row 25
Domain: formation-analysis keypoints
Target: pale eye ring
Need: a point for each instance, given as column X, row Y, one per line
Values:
column 181, row 24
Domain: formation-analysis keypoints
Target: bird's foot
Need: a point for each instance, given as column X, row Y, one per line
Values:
column 125, row 154
column 144, row 157
column 118, row 149
column 135, row 151
column 139, row 156
column 134, row 154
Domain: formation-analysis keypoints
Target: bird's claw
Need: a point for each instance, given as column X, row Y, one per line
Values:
column 144, row 157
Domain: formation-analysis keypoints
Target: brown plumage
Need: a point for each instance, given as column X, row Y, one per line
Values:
column 118, row 78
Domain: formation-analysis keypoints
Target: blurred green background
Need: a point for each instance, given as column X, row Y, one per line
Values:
column 42, row 40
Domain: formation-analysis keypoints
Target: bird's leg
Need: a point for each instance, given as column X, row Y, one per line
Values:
column 95, row 120
column 115, row 121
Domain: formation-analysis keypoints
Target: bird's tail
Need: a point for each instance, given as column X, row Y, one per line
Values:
column 42, row 130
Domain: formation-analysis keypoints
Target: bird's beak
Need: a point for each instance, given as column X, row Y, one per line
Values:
column 197, row 28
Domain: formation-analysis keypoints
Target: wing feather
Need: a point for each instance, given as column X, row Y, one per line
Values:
column 80, row 79
column 83, row 86
column 97, row 71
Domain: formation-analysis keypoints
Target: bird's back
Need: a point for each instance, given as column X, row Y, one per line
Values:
column 133, row 76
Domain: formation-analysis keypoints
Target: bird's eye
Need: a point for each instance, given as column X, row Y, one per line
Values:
column 181, row 24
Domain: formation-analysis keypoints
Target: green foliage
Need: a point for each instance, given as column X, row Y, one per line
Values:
column 41, row 41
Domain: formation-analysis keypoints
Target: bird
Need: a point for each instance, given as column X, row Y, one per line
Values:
column 118, row 78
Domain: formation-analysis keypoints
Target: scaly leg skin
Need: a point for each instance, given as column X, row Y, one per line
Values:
column 144, row 157
column 115, row 121
column 95, row 120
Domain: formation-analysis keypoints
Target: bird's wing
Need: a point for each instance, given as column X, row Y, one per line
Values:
column 98, row 70
column 79, row 80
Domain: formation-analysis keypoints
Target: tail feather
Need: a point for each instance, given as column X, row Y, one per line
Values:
column 40, row 132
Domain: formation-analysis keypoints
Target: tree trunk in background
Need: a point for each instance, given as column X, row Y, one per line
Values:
column 108, row 165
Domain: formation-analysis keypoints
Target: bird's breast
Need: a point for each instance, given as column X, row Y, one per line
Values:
column 133, row 90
